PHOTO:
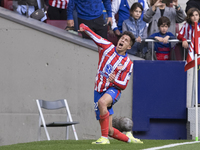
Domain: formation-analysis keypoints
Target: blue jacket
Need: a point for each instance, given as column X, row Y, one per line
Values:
column 88, row 9
column 137, row 27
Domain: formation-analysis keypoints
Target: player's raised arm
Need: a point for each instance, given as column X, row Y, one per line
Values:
column 99, row 41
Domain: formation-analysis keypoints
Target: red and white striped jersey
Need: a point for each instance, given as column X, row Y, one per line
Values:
column 186, row 32
column 59, row 3
column 193, row 48
column 110, row 62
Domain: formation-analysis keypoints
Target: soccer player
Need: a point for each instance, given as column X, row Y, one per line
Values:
column 113, row 73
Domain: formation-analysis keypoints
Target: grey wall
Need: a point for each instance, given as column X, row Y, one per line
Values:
column 46, row 65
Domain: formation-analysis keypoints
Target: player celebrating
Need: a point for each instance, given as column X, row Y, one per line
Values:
column 113, row 73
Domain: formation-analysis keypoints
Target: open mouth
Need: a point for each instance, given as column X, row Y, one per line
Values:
column 120, row 44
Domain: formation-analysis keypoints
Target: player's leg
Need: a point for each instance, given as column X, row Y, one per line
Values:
column 104, row 102
column 103, row 108
column 116, row 134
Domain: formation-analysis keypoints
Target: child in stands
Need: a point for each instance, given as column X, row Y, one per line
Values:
column 138, row 27
column 187, row 30
column 162, row 47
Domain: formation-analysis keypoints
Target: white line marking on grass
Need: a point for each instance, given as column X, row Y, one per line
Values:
column 171, row 145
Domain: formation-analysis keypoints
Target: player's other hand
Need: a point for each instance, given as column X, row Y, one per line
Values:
column 111, row 77
column 82, row 27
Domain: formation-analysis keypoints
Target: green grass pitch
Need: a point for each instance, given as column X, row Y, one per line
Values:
column 86, row 145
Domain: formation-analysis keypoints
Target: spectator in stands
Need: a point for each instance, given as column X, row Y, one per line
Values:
column 33, row 9
column 57, row 9
column 90, row 12
column 138, row 27
column 162, row 47
column 192, row 3
column 122, row 8
column 193, row 15
column 158, row 9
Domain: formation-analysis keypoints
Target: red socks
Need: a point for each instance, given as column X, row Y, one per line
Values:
column 119, row 136
column 104, row 123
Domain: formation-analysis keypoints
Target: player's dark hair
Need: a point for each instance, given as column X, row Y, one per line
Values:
column 164, row 20
column 134, row 7
column 132, row 37
column 190, row 14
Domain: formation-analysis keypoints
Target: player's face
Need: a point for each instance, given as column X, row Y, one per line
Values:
column 163, row 28
column 123, row 44
column 195, row 17
column 137, row 13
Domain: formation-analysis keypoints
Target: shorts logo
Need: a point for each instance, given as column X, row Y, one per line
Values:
column 96, row 106
column 112, row 91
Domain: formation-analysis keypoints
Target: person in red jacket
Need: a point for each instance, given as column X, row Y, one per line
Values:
column 193, row 15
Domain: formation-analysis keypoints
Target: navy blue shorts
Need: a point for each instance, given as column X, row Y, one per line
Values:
column 113, row 92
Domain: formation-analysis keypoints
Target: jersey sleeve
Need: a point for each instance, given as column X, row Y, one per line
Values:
column 125, row 75
column 181, row 33
column 98, row 40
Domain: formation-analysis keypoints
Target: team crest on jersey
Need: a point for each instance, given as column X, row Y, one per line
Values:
column 107, row 71
column 108, row 68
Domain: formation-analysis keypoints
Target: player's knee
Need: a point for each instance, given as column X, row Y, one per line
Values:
column 101, row 103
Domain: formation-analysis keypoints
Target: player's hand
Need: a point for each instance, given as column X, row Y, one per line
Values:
column 82, row 27
column 111, row 77
column 109, row 20
column 185, row 44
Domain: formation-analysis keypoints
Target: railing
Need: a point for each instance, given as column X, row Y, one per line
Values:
column 174, row 40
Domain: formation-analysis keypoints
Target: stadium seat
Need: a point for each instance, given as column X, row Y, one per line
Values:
column 53, row 105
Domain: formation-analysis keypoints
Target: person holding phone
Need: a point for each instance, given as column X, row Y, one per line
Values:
column 160, row 8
